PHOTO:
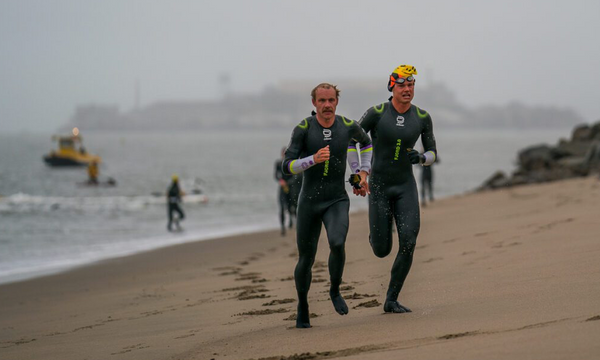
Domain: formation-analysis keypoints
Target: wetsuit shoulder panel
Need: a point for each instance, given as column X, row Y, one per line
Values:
column 370, row 118
column 297, row 146
column 427, row 137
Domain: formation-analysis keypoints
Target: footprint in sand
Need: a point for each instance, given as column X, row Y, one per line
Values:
column 189, row 334
column 357, row 296
column 294, row 316
column 231, row 271
column 248, row 276
column 263, row 312
column 549, row 226
column 594, row 318
column 131, row 348
column 252, row 294
column 7, row 344
column 368, row 304
column 451, row 240
column 278, row 302
column 457, row 335
column 433, row 259
column 483, row 234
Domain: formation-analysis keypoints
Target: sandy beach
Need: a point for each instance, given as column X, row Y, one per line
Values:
column 510, row 274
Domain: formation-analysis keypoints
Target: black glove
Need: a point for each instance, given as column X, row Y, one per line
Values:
column 415, row 157
column 354, row 180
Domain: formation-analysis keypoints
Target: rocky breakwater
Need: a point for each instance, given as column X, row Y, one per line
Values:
column 577, row 157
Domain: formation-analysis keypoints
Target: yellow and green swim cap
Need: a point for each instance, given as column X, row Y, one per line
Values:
column 402, row 71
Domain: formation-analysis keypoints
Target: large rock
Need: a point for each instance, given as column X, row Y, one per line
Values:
column 582, row 133
column 542, row 163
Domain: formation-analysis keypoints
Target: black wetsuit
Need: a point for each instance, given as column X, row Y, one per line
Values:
column 323, row 199
column 285, row 196
column 393, row 188
column 426, row 183
column 173, row 200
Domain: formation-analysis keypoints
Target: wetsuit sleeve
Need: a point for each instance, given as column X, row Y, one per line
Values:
column 352, row 158
column 292, row 164
column 367, row 123
column 365, row 148
column 428, row 140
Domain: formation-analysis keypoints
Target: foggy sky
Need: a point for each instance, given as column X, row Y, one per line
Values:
column 57, row 54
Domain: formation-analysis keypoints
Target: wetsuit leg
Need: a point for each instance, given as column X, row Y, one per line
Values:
column 180, row 212
column 423, row 189
column 408, row 222
column 170, row 214
column 308, row 231
column 380, row 222
column 430, row 185
column 336, row 222
column 282, row 206
column 291, row 210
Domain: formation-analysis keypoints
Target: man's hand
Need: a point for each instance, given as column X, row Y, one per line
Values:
column 322, row 155
column 415, row 157
column 363, row 185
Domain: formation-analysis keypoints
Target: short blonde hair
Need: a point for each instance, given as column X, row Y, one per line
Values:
column 313, row 93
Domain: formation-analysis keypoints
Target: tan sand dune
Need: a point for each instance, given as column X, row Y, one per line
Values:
column 511, row 274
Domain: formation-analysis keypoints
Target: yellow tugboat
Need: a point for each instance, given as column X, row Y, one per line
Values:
column 70, row 152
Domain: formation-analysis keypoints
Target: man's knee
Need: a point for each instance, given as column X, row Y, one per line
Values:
column 337, row 246
column 381, row 248
column 408, row 247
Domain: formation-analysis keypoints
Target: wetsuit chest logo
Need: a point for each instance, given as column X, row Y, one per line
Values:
column 327, row 134
column 397, row 152
column 400, row 121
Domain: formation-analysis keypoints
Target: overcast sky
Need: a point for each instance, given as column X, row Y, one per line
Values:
column 57, row 54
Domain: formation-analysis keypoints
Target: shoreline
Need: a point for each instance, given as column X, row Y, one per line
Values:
column 151, row 243
column 506, row 274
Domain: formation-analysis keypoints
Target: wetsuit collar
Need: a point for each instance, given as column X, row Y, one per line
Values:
column 399, row 112
column 323, row 125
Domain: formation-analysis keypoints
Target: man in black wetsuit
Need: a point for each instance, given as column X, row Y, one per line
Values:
column 286, row 195
column 173, row 199
column 395, row 126
column 318, row 148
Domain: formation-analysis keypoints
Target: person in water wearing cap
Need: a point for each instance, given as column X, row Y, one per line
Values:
column 318, row 149
column 173, row 200
column 395, row 126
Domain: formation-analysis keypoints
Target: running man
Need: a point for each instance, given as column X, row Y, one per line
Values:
column 395, row 126
column 318, row 148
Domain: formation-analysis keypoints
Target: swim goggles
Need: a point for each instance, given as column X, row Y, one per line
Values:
column 400, row 80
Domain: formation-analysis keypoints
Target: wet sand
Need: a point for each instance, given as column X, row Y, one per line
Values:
column 498, row 275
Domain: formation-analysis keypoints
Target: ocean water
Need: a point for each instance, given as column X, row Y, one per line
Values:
column 49, row 222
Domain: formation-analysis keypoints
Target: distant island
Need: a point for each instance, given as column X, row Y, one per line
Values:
column 284, row 105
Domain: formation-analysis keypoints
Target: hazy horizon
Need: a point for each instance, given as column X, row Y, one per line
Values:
column 64, row 53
